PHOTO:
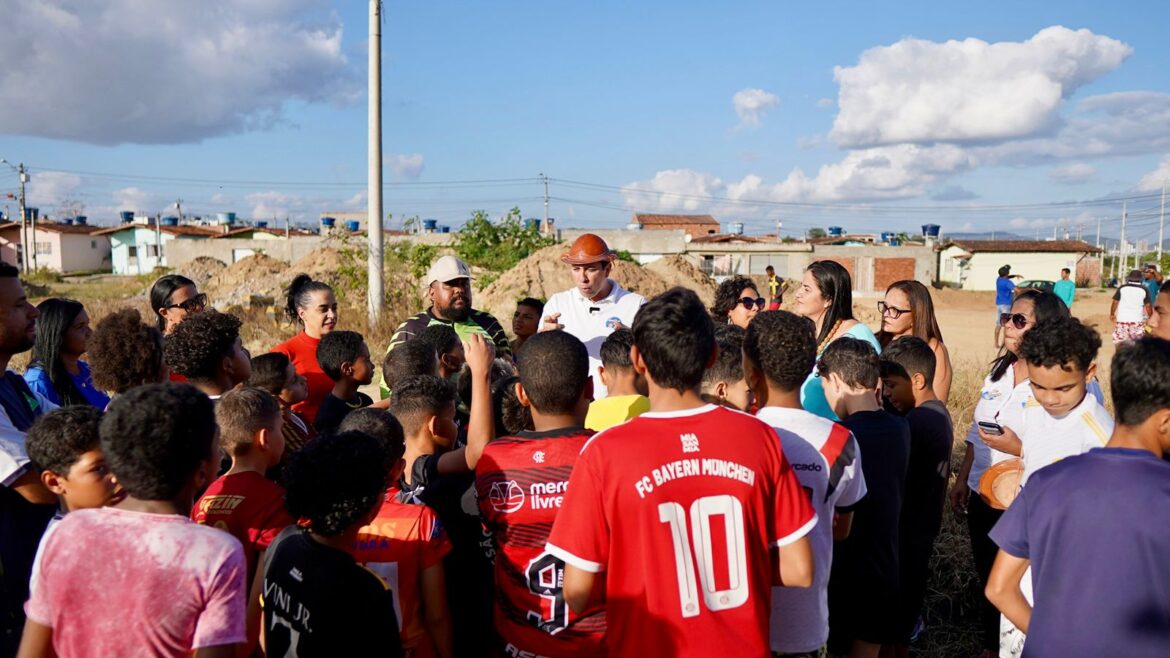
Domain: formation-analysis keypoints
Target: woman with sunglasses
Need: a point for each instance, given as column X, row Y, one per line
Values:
column 907, row 310
column 1006, row 385
column 737, row 301
column 826, row 297
column 57, row 371
column 172, row 298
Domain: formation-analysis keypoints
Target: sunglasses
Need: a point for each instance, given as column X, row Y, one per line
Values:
column 1018, row 320
column 196, row 303
column 749, row 302
column 892, row 311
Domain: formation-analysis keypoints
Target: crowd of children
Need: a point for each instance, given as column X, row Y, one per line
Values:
column 489, row 505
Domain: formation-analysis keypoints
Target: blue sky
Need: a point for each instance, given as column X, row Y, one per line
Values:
column 870, row 115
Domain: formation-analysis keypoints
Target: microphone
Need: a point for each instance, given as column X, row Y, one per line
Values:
column 594, row 309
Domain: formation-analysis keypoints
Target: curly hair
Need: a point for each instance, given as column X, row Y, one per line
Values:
column 783, row 347
column 1045, row 305
column 336, row 481
column 442, row 337
column 156, row 437
column 58, row 439
column 728, row 294
column 1064, row 342
column 337, row 348
column 197, row 346
column 511, row 416
column 729, row 364
column 125, row 352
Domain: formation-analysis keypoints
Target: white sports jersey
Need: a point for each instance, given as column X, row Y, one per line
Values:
column 1047, row 440
column 827, row 462
column 593, row 321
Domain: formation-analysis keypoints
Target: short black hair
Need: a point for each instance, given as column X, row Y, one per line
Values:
column 269, row 372
column 417, row 399
column 728, row 294
column 155, row 437
column 337, row 348
column 783, row 346
column 409, row 359
column 556, row 367
column 501, row 368
column 124, row 352
column 908, row 356
column 769, row 269
column 380, row 424
column 240, row 413
column 8, row 271
column 511, row 416
column 441, row 337
column 58, row 439
column 1059, row 342
column 1139, row 380
column 197, row 347
column 1065, row 269
column 728, row 365
column 532, row 303
column 615, row 351
column 336, row 480
column 854, row 360
column 675, row 337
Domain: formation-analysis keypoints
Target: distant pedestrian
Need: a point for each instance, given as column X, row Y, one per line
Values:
column 1065, row 289
column 776, row 287
column 1004, row 292
column 1132, row 304
column 1152, row 279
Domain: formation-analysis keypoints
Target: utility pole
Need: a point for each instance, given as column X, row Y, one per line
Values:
column 23, row 219
column 1161, row 226
column 1124, row 256
column 544, row 226
column 374, row 182
column 1098, row 232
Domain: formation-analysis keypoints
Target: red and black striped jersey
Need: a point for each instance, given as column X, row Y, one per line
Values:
column 520, row 482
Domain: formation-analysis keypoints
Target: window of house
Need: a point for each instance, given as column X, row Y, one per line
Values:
column 44, row 248
column 132, row 252
column 93, row 244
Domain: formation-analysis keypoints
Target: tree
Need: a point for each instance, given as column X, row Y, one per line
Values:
column 814, row 233
column 497, row 246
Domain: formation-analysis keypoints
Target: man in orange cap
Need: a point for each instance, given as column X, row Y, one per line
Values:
column 596, row 306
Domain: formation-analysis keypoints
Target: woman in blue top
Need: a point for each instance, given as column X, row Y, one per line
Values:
column 57, row 371
column 826, row 297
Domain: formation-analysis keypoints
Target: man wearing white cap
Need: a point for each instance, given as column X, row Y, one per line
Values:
column 449, row 289
column 597, row 306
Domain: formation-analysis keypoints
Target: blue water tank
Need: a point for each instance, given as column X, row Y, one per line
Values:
column 353, row 225
column 170, row 220
column 68, row 221
column 888, row 236
column 261, row 224
column 430, row 225
column 444, row 229
column 32, row 213
column 735, row 228
column 328, row 222
column 81, row 220
column 127, row 216
column 895, row 242
column 836, row 231
column 532, row 223
column 930, row 230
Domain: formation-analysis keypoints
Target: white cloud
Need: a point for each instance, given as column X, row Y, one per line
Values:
column 1073, row 174
column 273, row 204
column 405, row 166
column 135, row 199
column 672, row 190
column 140, row 71
column 49, row 188
column 969, row 91
column 1156, row 179
column 751, row 104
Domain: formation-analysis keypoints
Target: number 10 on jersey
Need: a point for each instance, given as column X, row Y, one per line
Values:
column 699, row 540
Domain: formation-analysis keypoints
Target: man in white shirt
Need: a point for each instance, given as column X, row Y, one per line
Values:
column 596, row 307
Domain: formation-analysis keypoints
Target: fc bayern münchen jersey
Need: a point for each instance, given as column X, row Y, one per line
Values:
column 521, row 481
column 682, row 510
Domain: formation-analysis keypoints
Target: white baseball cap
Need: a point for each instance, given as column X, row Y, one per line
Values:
column 447, row 268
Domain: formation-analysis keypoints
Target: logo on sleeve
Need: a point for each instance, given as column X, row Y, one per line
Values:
column 506, row 497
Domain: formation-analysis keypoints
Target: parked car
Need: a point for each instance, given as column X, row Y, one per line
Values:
column 1035, row 284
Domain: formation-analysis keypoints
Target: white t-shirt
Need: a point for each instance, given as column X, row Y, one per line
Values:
column 1131, row 299
column 593, row 321
column 993, row 398
column 36, row 568
column 827, row 462
column 1047, row 440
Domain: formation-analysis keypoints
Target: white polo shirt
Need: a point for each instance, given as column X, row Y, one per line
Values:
column 593, row 321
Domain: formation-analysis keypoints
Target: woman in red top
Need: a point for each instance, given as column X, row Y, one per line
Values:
column 172, row 298
column 312, row 305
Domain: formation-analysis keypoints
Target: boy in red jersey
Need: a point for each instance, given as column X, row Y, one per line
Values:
column 520, row 481
column 682, row 508
column 243, row 502
column 405, row 545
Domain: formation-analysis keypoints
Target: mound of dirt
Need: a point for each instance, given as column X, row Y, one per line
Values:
column 678, row 271
column 542, row 275
column 251, row 281
column 202, row 269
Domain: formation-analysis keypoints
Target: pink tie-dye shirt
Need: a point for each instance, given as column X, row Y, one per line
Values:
column 120, row 583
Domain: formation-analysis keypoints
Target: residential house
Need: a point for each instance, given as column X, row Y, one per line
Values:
column 61, row 246
column 696, row 226
column 974, row 264
column 139, row 247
